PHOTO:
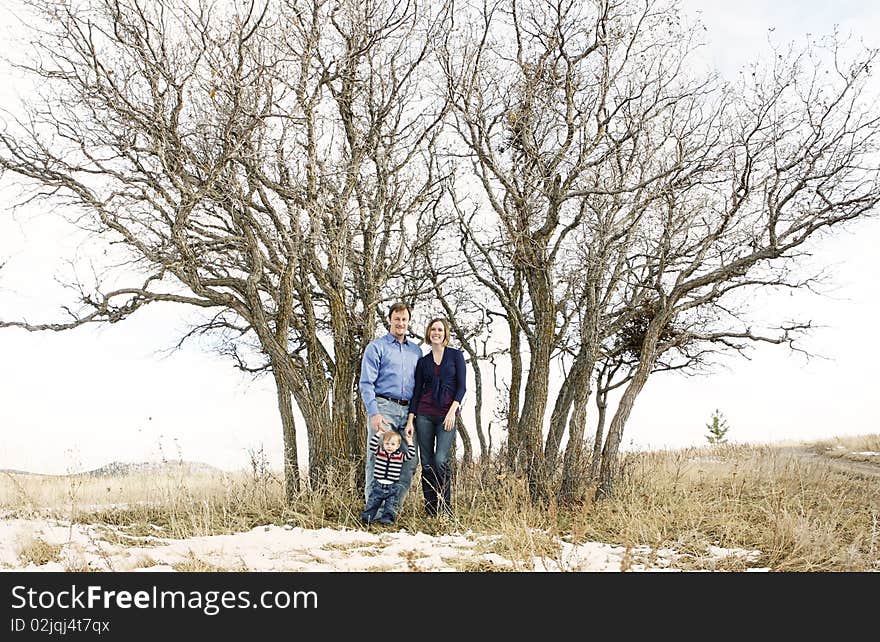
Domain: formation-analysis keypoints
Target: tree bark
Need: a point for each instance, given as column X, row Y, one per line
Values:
column 601, row 408
column 573, row 465
column 558, row 418
column 478, row 407
column 609, row 468
column 468, row 455
column 577, row 380
column 288, row 427
column 531, row 425
column 516, row 369
column 573, row 474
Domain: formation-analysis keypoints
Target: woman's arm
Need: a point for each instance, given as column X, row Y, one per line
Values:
column 460, row 377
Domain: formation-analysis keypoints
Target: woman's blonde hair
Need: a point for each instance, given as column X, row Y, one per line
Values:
column 445, row 330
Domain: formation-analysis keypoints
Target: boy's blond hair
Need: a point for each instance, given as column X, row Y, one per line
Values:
column 391, row 434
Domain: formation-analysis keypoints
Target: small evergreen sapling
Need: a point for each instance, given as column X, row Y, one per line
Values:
column 718, row 428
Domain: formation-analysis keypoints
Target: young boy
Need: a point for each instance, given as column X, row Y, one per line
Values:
column 386, row 475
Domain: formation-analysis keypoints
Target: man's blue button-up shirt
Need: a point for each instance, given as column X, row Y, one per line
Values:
column 388, row 369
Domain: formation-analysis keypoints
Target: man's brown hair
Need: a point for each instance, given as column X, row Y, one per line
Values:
column 398, row 307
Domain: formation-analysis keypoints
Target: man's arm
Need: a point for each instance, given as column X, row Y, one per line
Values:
column 369, row 374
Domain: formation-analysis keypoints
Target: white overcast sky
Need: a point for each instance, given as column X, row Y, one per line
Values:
column 77, row 400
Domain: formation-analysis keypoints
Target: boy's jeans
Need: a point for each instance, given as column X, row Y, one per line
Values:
column 379, row 492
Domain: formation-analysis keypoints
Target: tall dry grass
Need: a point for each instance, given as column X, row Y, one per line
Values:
column 794, row 503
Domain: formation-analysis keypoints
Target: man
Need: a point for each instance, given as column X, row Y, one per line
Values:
column 387, row 380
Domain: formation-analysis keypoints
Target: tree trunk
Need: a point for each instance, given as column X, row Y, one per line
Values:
column 577, row 380
column 357, row 431
column 601, row 407
column 609, row 468
column 468, row 456
column 573, row 476
column 288, row 427
column 287, row 382
column 516, row 369
column 358, row 436
column 343, row 411
column 531, row 423
column 344, row 415
column 322, row 445
column 557, row 422
column 573, row 467
column 478, row 408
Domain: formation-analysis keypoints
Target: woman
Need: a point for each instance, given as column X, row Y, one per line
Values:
column 439, row 388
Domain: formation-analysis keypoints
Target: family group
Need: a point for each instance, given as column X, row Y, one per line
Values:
column 412, row 402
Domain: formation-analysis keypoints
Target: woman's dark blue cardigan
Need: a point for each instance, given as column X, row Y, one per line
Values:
column 450, row 378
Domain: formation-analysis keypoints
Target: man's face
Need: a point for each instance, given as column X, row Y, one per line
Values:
column 391, row 445
column 399, row 323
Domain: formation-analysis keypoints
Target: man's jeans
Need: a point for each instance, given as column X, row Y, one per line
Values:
column 379, row 493
column 435, row 445
column 396, row 415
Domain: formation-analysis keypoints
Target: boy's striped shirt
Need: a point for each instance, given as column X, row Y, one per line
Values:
column 387, row 467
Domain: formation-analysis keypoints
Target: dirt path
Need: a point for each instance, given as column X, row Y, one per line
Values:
column 859, row 468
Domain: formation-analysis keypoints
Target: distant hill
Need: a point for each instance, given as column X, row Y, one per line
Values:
column 12, row 471
column 119, row 469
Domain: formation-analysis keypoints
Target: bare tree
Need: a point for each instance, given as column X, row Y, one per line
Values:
column 795, row 157
column 633, row 195
column 261, row 162
column 551, row 101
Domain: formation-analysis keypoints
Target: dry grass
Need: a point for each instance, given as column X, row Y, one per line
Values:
column 848, row 445
column 474, row 565
column 33, row 549
column 801, row 514
column 169, row 506
column 194, row 564
column 76, row 563
column 794, row 503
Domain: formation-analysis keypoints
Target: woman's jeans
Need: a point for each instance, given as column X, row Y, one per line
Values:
column 435, row 444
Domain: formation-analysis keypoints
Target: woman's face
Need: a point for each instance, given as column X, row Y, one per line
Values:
column 437, row 333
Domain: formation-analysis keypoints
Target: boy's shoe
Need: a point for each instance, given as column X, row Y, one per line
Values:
column 386, row 520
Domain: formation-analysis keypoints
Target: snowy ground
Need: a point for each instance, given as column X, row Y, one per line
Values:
column 286, row 548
